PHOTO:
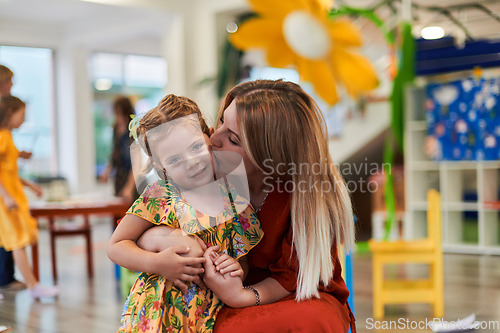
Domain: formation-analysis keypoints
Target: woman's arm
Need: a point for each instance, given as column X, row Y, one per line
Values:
column 123, row 250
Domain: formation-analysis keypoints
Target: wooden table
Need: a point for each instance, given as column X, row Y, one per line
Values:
column 51, row 210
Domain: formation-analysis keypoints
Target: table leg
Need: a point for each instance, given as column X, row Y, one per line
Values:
column 53, row 249
column 90, row 265
column 34, row 258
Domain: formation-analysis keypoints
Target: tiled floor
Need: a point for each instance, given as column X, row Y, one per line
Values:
column 472, row 285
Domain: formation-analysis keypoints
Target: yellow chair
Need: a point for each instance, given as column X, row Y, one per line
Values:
column 421, row 251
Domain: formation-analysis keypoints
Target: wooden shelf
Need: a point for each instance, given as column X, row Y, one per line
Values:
column 453, row 179
column 461, row 206
column 418, row 125
column 424, row 165
column 459, row 165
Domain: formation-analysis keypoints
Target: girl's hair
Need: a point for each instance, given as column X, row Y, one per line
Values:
column 125, row 106
column 8, row 106
column 5, row 73
column 281, row 125
column 171, row 107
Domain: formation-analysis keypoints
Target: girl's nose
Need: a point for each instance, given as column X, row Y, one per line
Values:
column 191, row 162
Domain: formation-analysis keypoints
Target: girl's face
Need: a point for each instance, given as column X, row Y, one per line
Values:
column 17, row 118
column 227, row 138
column 184, row 155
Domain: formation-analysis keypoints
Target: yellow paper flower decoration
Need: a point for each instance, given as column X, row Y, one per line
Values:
column 299, row 33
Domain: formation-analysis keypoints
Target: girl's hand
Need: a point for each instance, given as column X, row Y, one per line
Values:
column 25, row 155
column 226, row 264
column 37, row 189
column 10, row 203
column 228, row 288
column 179, row 269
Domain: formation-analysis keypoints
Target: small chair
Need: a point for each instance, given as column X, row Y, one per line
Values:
column 422, row 251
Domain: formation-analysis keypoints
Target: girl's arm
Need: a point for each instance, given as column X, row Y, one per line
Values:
column 33, row 186
column 123, row 250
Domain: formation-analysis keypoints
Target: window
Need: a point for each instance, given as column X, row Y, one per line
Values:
column 141, row 78
column 33, row 83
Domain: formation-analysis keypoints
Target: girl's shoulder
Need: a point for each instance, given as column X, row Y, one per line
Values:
column 6, row 141
column 155, row 205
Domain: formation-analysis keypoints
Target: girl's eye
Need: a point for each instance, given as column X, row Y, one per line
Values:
column 197, row 146
column 174, row 160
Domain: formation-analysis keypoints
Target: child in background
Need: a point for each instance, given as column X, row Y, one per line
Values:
column 7, row 280
column 179, row 153
column 17, row 227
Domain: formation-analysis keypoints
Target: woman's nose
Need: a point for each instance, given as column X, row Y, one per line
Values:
column 215, row 141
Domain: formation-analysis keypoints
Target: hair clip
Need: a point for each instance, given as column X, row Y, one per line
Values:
column 134, row 124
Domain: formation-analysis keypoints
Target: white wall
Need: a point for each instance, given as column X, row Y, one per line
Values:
column 184, row 32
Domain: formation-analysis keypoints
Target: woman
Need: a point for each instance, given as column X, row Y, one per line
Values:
column 124, row 185
column 304, row 209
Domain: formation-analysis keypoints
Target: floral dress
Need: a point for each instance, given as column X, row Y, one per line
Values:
column 155, row 304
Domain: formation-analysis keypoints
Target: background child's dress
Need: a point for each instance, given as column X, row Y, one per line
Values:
column 154, row 303
column 17, row 228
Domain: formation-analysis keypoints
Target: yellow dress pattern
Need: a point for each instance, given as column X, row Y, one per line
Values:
column 154, row 303
column 17, row 227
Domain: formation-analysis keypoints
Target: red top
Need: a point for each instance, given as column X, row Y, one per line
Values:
column 274, row 257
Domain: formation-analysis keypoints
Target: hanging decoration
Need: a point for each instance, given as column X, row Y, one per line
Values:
column 299, row 33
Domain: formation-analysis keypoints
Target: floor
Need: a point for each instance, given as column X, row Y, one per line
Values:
column 472, row 285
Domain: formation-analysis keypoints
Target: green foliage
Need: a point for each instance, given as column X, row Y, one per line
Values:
column 406, row 75
column 253, row 236
column 368, row 14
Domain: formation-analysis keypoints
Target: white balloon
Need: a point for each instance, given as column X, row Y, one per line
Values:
column 306, row 35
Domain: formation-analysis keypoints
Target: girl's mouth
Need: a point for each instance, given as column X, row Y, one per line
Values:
column 200, row 173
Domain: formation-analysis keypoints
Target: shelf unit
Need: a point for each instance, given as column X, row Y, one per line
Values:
column 469, row 226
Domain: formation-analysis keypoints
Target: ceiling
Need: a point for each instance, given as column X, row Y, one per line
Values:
column 449, row 14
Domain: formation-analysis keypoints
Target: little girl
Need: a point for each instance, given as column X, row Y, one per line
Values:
column 172, row 138
column 17, row 228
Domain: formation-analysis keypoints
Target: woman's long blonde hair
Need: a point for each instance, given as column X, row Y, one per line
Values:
column 283, row 131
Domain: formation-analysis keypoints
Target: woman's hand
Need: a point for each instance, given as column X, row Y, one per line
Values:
column 228, row 288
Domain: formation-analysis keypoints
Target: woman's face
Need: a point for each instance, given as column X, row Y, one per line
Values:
column 227, row 138
column 120, row 119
